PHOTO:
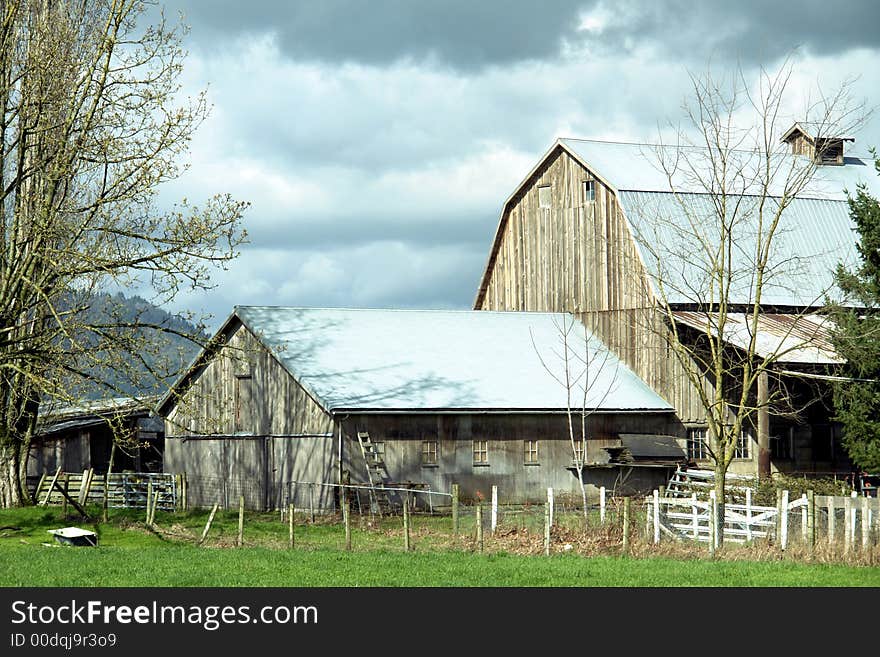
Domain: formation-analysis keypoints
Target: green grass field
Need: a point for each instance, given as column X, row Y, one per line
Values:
column 129, row 554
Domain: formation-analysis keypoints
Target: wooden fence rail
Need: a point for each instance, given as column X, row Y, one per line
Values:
column 805, row 517
column 124, row 489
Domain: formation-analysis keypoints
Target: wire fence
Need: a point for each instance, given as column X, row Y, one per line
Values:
column 832, row 526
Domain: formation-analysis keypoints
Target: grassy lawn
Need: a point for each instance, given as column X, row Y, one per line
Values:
column 130, row 554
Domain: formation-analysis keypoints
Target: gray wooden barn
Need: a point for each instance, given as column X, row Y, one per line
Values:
column 577, row 236
column 285, row 397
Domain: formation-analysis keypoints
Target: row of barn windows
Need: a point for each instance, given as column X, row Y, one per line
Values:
column 431, row 452
column 825, row 444
column 698, row 445
column 545, row 198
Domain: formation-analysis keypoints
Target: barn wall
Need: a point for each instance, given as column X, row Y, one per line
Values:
column 263, row 469
column 403, row 435
column 579, row 256
column 243, row 389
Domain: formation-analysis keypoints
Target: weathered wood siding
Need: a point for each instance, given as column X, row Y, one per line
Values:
column 579, row 256
column 261, row 468
column 243, row 389
column 403, row 435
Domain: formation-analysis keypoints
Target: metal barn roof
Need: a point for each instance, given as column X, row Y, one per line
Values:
column 792, row 339
column 636, row 167
column 435, row 360
column 813, row 237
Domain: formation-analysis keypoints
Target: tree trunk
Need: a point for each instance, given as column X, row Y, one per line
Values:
column 13, row 475
column 720, row 476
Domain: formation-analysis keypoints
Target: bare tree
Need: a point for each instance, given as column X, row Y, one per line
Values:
column 716, row 249
column 587, row 378
column 90, row 127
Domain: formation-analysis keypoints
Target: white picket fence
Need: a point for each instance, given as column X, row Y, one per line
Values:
column 692, row 519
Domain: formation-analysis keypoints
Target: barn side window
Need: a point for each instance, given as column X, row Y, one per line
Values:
column 743, row 443
column 544, row 199
column 481, row 452
column 697, row 447
column 589, row 191
column 530, row 452
column 782, row 442
column 579, row 455
column 430, row 452
column 241, row 402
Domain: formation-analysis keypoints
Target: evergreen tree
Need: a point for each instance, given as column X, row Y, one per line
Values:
column 857, row 337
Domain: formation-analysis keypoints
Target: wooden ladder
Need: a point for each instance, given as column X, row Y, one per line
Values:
column 377, row 473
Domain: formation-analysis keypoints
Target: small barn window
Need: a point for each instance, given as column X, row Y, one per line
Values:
column 242, row 402
column 742, row 449
column 544, row 198
column 697, row 447
column 481, row 452
column 781, row 442
column 589, row 191
column 430, row 452
column 579, row 456
column 530, row 452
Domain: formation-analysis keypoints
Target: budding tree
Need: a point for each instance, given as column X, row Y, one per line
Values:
column 716, row 248
column 90, row 128
column 587, row 371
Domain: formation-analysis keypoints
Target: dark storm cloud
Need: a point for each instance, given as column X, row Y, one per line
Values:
column 752, row 31
column 470, row 35
column 465, row 34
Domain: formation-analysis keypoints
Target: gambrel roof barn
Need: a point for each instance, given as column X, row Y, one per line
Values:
column 605, row 230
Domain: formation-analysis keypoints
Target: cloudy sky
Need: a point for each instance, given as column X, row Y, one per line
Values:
column 377, row 140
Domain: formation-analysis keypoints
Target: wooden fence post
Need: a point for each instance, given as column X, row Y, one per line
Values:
column 346, row 519
column 847, row 524
column 866, row 523
column 778, row 513
column 455, row 494
column 290, row 523
column 602, row 505
column 656, row 516
column 153, row 508
column 149, row 498
column 406, row 544
column 749, row 515
column 804, row 514
column 550, row 504
column 626, row 503
column 712, row 525
column 208, row 524
column 494, row 515
column 831, row 519
column 82, row 486
column 811, row 519
column 695, row 517
column 184, row 484
column 479, row 527
column 715, row 532
column 240, row 520
column 312, row 503
column 784, row 520
column 547, row 523
column 64, row 495
column 105, row 503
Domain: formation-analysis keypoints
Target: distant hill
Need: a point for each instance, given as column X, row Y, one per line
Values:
column 163, row 350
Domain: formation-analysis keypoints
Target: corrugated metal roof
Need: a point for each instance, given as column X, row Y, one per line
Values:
column 813, row 237
column 422, row 360
column 801, row 339
column 636, row 167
